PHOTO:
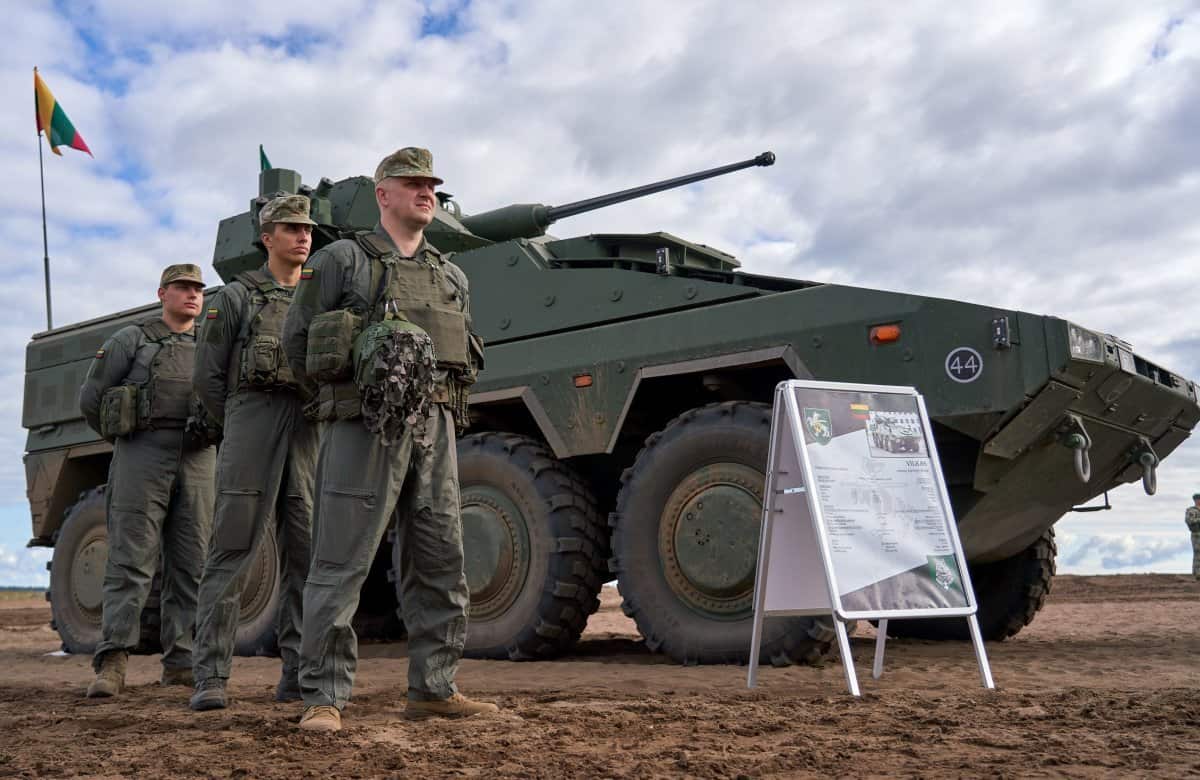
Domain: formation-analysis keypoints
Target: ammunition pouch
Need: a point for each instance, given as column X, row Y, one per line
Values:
column 264, row 364
column 448, row 330
column 336, row 401
column 330, row 346
column 164, row 402
column 119, row 411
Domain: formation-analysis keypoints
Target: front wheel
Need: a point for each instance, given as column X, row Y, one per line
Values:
column 686, row 536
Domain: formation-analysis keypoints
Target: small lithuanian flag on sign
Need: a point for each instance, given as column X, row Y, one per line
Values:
column 860, row 411
column 212, row 314
column 306, row 273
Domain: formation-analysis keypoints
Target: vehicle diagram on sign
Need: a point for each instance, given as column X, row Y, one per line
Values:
column 895, row 435
column 964, row 364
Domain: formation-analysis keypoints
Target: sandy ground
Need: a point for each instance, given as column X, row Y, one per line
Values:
column 1103, row 683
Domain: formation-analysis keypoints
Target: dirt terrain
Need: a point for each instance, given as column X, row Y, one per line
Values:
column 1103, row 683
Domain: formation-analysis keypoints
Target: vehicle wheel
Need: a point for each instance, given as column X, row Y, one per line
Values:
column 1009, row 594
column 685, row 542
column 77, row 573
column 259, row 604
column 77, row 586
column 534, row 542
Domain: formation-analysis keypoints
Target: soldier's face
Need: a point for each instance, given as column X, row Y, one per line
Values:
column 182, row 299
column 289, row 242
column 407, row 200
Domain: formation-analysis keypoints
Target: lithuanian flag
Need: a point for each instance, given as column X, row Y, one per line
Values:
column 52, row 120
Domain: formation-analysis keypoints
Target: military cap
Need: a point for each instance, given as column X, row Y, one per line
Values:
column 286, row 208
column 1195, row 496
column 183, row 272
column 409, row 161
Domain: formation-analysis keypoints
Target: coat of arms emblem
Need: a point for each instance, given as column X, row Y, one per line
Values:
column 818, row 424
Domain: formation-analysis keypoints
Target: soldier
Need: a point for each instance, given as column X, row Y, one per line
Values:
column 138, row 395
column 388, row 449
column 268, row 459
column 1192, row 518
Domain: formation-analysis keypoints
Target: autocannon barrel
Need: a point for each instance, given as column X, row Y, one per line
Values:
column 526, row 220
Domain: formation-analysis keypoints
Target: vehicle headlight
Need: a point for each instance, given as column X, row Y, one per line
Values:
column 1085, row 345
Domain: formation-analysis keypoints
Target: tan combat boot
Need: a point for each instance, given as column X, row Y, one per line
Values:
column 321, row 717
column 457, row 706
column 110, row 678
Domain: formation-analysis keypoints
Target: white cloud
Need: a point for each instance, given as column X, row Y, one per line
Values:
column 1032, row 155
column 24, row 568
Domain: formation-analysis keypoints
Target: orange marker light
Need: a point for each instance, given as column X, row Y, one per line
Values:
column 885, row 334
column 583, row 380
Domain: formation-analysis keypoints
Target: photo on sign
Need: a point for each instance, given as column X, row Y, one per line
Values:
column 895, row 435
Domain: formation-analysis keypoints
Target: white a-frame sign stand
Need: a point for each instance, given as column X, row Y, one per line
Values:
column 856, row 520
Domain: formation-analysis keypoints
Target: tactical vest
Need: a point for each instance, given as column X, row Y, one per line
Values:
column 262, row 363
column 421, row 291
column 162, row 372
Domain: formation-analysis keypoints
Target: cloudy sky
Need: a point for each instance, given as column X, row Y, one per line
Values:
column 1039, row 156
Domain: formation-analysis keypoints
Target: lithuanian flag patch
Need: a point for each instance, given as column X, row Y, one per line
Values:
column 100, row 354
column 860, row 411
column 306, row 273
column 212, row 314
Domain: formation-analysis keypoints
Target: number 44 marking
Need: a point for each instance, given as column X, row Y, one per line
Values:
column 964, row 364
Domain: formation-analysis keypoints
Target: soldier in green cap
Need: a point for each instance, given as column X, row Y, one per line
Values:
column 268, row 457
column 138, row 395
column 1192, row 518
column 398, row 305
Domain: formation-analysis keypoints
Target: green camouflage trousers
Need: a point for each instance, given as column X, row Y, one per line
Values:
column 160, row 501
column 265, row 473
column 362, row 487
column 1196, row 555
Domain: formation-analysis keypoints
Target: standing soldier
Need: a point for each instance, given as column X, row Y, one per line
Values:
column 371, row 314
column 138, row 395
column 1192, row 518
column 267, row 462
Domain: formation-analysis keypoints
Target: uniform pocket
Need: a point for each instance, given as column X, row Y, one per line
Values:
column 237, row 510
column 344, row 519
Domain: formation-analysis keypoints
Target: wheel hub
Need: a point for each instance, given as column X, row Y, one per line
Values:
column 87, row 576
column 708, row 538
column 496, row 550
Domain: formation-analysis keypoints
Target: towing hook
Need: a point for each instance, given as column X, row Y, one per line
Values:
column 1148, row 460
column 1075, row 437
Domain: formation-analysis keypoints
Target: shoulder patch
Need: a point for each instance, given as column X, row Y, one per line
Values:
column 100, row 354
column 212, row 314
column 307, row 273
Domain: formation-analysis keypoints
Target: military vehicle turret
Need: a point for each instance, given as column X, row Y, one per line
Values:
column 620, row 429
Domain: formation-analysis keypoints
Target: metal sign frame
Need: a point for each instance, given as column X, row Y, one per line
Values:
column 790, row 477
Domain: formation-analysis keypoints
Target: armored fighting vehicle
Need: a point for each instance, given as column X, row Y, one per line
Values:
column 620, row 430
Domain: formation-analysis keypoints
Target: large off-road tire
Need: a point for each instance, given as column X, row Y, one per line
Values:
column 534, row 543
column 77, row 586
column 685, row 541
column 1009, row 594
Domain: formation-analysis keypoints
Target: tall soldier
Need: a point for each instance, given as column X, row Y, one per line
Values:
column 361, row 329
column 138, row 395
column 268, row 458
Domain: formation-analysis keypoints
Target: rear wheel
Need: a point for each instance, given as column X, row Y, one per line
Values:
column 686, row 541
column 534, row 544
column 77, row 586
column 1009, row 594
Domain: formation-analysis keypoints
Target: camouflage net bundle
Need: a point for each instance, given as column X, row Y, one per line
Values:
column 396, row 379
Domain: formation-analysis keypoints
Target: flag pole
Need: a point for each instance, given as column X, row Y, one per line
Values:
column 45, row 241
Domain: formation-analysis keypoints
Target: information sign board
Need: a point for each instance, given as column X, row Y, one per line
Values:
column 857, row 523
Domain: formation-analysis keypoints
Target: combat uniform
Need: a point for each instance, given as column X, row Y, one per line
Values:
column 1192, row 518
column 160, row 483
column 364, row 484
column 265, row 468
